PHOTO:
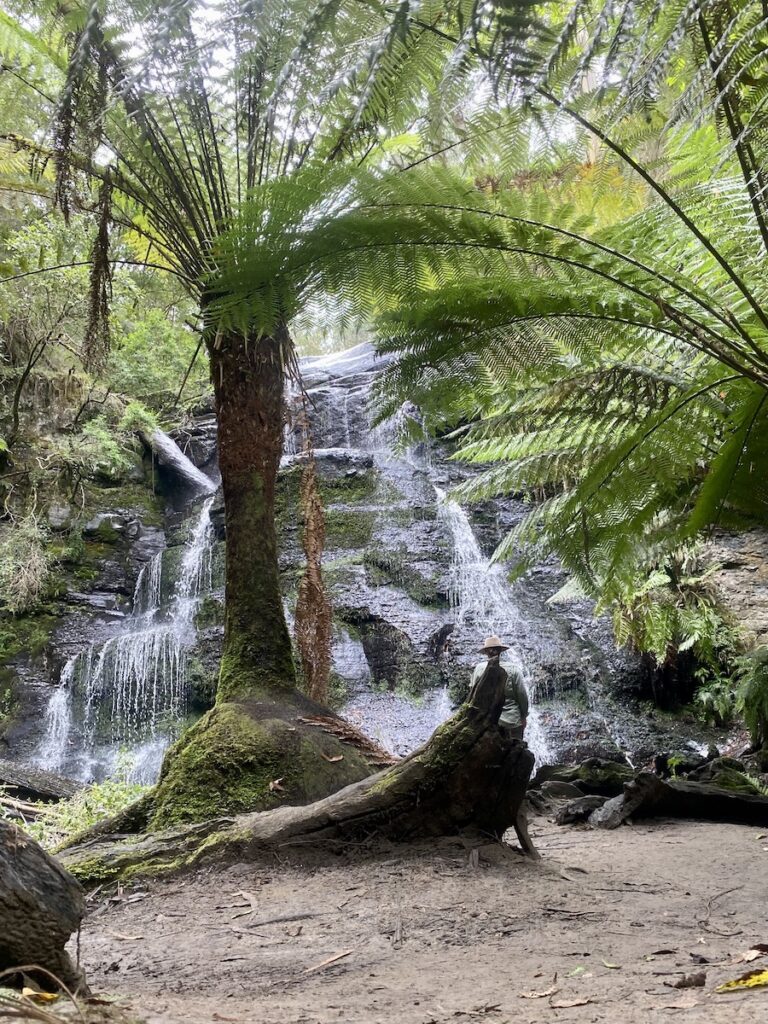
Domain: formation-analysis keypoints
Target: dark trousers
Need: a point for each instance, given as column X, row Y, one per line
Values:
column 511, row 732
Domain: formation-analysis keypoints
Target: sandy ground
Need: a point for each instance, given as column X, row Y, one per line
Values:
column 607, row 921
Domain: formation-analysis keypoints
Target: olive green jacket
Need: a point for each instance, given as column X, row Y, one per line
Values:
column 515, row 695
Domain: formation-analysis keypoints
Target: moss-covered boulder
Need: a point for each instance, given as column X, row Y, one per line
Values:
column 250, row 757
column 603, row 778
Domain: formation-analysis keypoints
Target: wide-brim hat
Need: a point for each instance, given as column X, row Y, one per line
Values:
column 493, row 641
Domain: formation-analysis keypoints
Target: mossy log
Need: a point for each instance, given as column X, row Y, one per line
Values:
column 34, row 783
column 41, row 905
column 649, row 796
column 468, row 775
column 592, row 777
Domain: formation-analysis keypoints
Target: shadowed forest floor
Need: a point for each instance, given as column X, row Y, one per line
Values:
column 439, row 933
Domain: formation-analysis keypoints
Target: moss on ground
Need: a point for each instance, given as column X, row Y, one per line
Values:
column 231, row 762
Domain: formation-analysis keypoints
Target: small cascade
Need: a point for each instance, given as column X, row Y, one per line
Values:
column 131, row 692
column 480, row 596
column 478, row 591
column 58, row 721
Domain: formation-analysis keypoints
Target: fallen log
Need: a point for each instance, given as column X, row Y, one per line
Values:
column 22, row 810
column 468, row 775
column 34, row 783
column 41, row 905
column 649, row 796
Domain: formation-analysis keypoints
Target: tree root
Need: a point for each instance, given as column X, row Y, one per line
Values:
column 466, row 775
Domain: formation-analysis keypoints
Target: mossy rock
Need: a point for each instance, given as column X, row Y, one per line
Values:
column 348, row 529
column 603, row 778
column 392, row 567
column 27, row 634
column 249, row 757
column 734, row 781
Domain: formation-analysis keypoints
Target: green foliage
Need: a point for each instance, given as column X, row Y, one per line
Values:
column 58, row 822
column 150, row 358
column 25, row 565
column 137, row 417
column 753, row 694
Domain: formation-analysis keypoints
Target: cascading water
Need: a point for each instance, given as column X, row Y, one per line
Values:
column 130, row 693
column 480, row 594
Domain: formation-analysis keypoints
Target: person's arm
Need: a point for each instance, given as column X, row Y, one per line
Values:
column 522, row 702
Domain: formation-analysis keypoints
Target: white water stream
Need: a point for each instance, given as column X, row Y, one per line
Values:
column 479, row 593
column 131, row 692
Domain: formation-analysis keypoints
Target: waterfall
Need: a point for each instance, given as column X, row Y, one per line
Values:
column 480, row 596
column 131, row 691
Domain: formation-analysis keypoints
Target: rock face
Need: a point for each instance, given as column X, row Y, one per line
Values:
column 413, row 592
column 742, row 580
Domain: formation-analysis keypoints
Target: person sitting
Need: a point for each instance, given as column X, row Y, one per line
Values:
column 514, row 714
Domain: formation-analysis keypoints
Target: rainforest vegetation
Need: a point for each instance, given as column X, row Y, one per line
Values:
column 311, row 304
column 552, row 215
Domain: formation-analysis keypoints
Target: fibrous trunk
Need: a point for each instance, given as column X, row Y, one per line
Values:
column 251, row 750
column 248, row 379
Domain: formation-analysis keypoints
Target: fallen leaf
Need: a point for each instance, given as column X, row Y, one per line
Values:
column 663, row 952
column 125, row 938
column 610, row 966
column 696, row 980
column 275, row 786
column 328, row 962
column 332, row 760
column 752, row 979
column 39, row 997
column 576, row 972
column 540, row 995
column 759, row 949
column 566, row 1004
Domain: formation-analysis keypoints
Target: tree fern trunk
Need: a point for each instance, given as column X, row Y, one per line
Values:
column 251, row 750
column 248, row 379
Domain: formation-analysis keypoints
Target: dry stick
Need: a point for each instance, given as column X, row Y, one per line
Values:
column 328, row 962
column 43, row 1014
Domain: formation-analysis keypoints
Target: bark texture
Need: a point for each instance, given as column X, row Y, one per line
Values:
column 467, row 776
column 251, row 752
column 41, row 905
column 646, row 796
column 248, row 378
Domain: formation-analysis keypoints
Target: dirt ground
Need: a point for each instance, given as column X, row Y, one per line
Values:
column 608, row 921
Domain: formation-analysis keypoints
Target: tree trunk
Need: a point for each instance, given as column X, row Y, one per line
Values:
column 252, row 750
column 41, row 905
column 248, row 378
column 467, row 776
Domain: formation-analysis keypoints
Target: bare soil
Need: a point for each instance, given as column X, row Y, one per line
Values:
column 607, row 921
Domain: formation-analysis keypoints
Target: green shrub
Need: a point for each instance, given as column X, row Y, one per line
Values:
column 57, row 822
column 753, row 694
column 25, row 565
column 150, row 359
column 138, row 418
